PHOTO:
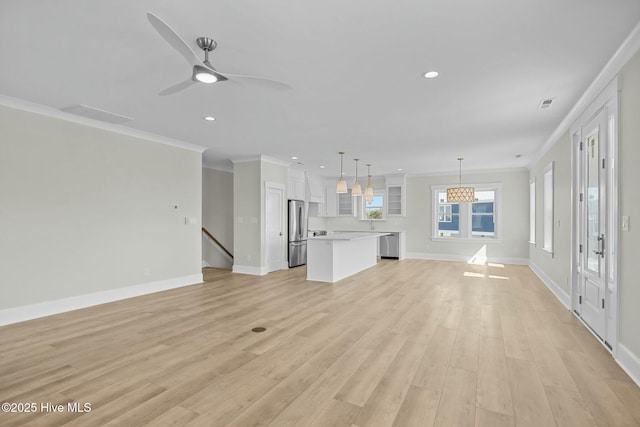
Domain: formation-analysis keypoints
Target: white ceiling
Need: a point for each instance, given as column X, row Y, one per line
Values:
column 355, row 68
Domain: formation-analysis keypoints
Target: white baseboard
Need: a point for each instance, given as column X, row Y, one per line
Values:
column 562, row 296
column 248, row 269
column 462, row 258
column 48, row 308
column 629, row 362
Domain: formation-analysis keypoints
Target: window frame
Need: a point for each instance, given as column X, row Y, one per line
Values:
column 532, row 211
column 547, row 208
column 363, row 205
column 465, row 215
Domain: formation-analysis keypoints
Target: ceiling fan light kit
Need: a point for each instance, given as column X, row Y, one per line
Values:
column 203, row 75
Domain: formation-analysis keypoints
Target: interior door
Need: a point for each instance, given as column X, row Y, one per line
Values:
column 592, row 274
column 274, row 228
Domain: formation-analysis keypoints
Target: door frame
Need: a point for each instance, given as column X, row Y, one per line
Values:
column 283, row 264
column 607, row 100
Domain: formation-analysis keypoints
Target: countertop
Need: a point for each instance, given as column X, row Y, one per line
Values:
column 349, row 236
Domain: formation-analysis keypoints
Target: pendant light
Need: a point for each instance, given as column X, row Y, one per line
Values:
column 460, row 194
column 356, row 190
column 368, row 192
column 341, row 186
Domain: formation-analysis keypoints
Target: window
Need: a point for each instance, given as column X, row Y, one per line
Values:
column 444, row 213
column 532, row 211
column 483, row 219
column 548, row 209
column 477, row 220
column 375, row 208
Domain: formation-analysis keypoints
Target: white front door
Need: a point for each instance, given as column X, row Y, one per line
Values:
column 593, row 223
column 274, row 227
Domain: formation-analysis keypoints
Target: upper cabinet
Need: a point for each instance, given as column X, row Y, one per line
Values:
column 315, row 190
column 396, row 194
column 345, row 204
column 296, row 188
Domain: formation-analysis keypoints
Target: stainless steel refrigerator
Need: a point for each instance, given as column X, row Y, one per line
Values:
column 297, row 233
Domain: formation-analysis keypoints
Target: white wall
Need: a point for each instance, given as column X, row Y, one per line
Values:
column 246, row 210
column 249, row 177
column 557, row 266
column 85, row 210
column 512, row 247
column 217, row 215
column 629, row 162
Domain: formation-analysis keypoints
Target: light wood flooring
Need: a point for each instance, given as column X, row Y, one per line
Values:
column 411, row 343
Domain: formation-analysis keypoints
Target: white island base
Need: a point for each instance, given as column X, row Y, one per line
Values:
column 336, row 256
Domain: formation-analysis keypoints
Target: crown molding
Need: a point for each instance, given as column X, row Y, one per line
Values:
column 31, row 107
column 262, row 158
column 470, row 172
column 218, row 168
column 627, row 49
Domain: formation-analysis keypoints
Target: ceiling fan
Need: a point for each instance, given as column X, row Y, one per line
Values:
column 203, row 71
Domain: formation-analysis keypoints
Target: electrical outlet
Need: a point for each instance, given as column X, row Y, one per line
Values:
column 625, row 223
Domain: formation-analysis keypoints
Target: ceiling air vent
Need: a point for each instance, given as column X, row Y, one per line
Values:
column 96, row 114
column 546, row 103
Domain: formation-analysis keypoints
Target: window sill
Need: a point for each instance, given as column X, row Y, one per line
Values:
column 465, row 240
column 374, row 220
column 532, row 243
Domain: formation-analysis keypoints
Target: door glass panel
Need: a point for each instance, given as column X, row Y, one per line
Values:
column 593, row 202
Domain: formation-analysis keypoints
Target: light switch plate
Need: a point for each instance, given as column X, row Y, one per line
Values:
column 625, row 223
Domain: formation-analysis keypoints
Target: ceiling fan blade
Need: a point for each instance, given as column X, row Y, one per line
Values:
column 173, row 39
column 261, row 80
column 177, row 88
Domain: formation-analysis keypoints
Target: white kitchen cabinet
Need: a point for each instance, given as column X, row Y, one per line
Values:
column 396, row 191
column 345, row 204
column 296, row 185
column 315, row 190
column 330, row 201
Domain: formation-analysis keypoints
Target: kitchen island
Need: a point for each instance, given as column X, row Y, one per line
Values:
column 336, row 256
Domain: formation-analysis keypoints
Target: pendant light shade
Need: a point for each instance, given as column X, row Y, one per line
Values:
column 341, row 186
column 460, row 194
column 368, row 192
column 356, row 190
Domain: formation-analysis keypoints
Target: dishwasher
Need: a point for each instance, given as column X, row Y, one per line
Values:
column 390, row 246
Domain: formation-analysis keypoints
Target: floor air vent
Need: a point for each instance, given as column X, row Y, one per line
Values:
column 96, row 114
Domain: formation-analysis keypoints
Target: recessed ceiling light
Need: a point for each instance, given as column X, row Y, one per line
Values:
column 400, row 169
column 209, row 118
column 294, row 158
column 322, row 166
column 431, row 74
